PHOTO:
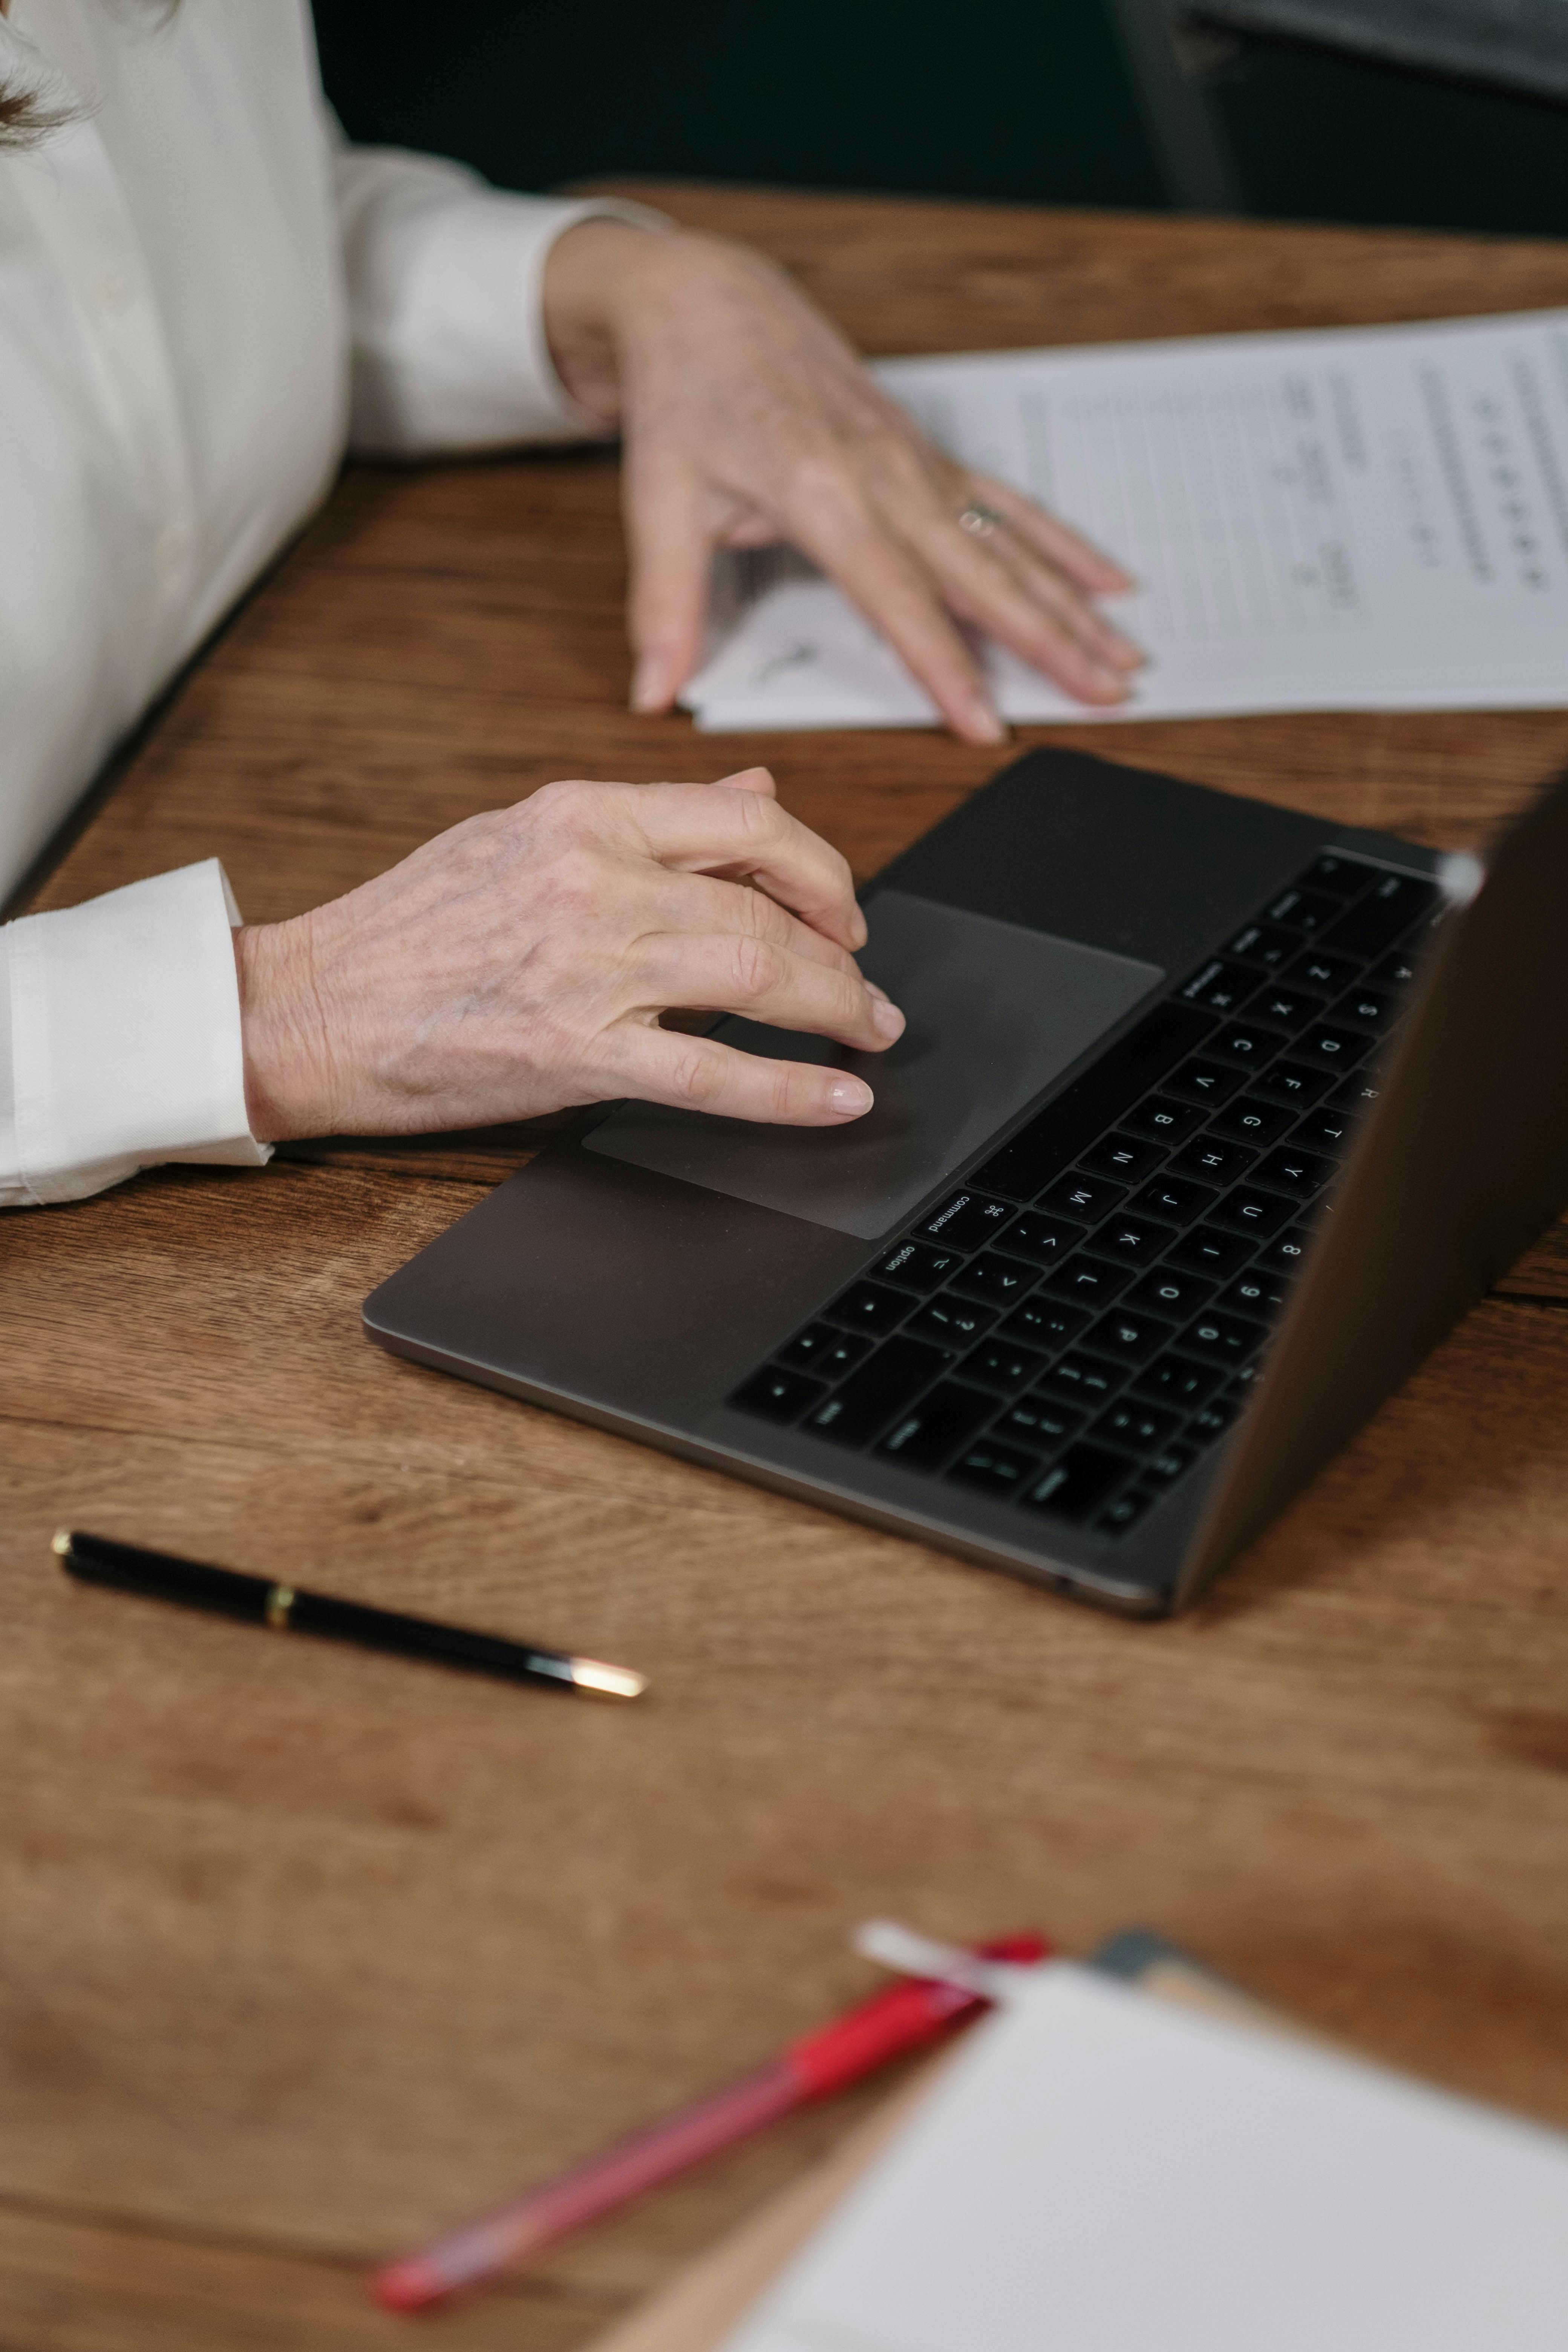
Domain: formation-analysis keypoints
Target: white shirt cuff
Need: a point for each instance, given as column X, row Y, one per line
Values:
column 446, row 293
column 124, row 1039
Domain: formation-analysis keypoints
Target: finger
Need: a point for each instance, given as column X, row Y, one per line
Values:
column 668, row 550
column 899, row 596
column 697, row 1074
column 1078, row 557
column 734, row 972
column 702, row 903
column 1051, row 629
column 1056, row 594
column 745, row 836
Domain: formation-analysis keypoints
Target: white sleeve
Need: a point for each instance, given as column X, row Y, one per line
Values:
column 445, row 305
column 119, row 1039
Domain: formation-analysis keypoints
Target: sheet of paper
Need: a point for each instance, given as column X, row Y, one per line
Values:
column 1100, row 2170
column 1362, row 518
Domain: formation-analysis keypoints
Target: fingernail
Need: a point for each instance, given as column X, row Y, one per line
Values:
column 872, row 990
column 647, row 683
column 986, row 726
column 887, row 1019
column 1111, row 680
column 849, row 1098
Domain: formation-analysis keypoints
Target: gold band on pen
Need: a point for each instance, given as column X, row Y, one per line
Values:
column 280, row 1601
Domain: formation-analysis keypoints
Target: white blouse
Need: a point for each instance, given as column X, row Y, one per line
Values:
column 205, row 295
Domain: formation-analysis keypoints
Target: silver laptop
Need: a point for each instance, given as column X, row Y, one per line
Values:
column 1209, row 1120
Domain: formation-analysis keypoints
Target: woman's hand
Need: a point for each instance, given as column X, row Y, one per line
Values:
column 747, row 417
column 520, row 965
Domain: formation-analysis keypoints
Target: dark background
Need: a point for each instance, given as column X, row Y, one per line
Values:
column 996, row 98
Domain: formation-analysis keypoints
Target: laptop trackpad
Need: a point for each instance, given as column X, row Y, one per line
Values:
column 995, row 1013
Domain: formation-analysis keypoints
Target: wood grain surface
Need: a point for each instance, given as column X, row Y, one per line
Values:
column 307, row 1952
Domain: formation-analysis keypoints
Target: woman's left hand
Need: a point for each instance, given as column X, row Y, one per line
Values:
column 746, row 417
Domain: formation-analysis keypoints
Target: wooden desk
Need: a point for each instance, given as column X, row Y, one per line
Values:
column 306, row 1952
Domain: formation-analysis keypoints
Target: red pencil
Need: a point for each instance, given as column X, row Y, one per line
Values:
column 890, row 2025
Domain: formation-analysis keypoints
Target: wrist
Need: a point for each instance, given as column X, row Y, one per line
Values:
column 287, row 1093
column 589, row 273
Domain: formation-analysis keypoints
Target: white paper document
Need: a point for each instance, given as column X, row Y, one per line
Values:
column 1362, row 518
column 1102, row 2171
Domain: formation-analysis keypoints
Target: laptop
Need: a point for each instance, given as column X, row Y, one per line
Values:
column 1209, row 1120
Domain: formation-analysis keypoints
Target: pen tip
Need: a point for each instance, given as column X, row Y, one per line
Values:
column 62, row 1543
column 612, row 1682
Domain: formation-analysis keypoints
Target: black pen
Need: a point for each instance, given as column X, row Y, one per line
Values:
column 257, row 1601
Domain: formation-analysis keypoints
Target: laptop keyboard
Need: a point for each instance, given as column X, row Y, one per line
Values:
column 1080, row 1322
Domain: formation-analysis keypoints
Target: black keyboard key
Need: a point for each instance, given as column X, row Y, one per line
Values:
column 1169, row 1291
column 863, row 1407
column 1039, row 1422
column 1209, row 1083
column 967, row 1222
column 774, row 1395
column 1261, row 1214
column 1329, row 1047
column 1372, row 1009
column 1301, row 1174
column 1324, row 973
column 1086, row 1197
column 1133, row 1241
column 1046, row 1322
column 993, row 1468
column 1221, row 986
column 1306, row 911
column 1053, row 1138
column 1089, row 1281
column 1343, row 878
column 821, row 1350
column 1248, row 1120
column 1264, row 945
column 1357, row 1094
column 1000, row 1365
column 1173, row 1381
column 1326, row 1131
column 1171, row 1462
column 931, row 1431
column 1083, row 1380
column 1175, row 1199
column 1223, row 1338
column 1047, row 1240
column 1286, row 1008
column 1395, row 970
column 1208, row 1251
column 1213, row 1421
column 1243, row 1043
column 1000, row 1281
column 1075, row 1485
column 1284, row 1255
column 1377, row 920
column 1163, row 1120
column 1128, row 1339
column 950, row 1322
column 1292, row 1084
column 1125, row 1159
column 1136, row 1425
column 914, row 1266
column 1118, row 1517
column 869, row 1306
column 1260, row 1292
column 1212, row 1161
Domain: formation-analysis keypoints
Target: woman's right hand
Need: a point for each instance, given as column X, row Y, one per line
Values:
column 519, row 963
